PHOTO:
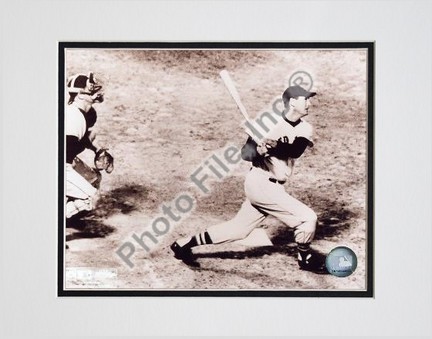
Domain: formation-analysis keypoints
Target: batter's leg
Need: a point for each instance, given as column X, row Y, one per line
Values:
column 303, row 219
column 271, row 198
column 294, row 214
column 246, row 219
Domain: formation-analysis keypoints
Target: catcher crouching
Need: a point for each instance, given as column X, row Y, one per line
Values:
column 83, row 181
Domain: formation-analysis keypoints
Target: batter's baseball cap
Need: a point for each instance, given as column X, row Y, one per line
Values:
column 296, row 91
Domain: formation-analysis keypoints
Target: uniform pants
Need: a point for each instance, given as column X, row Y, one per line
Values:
column 79, row 190
column 263, row 198
column 77, row 186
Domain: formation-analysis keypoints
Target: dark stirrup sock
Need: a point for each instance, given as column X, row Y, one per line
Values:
column 303, row 249
column 202, row 238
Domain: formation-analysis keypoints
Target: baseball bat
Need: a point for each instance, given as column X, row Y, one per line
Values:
column 229, row 84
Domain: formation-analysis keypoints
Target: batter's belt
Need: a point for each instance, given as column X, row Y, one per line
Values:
column 267, row 175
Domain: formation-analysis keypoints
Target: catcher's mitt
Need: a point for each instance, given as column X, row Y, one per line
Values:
column 104, row 161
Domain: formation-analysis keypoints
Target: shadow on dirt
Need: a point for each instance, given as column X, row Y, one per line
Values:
column 257, row 252
column 334, row 222
column 250, row 253
column 88, row 228
column 125, row 200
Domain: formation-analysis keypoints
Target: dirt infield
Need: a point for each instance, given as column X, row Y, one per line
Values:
column 165, row 113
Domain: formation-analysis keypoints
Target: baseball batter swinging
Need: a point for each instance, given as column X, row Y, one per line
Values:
column 82, row 181
column 272, row 163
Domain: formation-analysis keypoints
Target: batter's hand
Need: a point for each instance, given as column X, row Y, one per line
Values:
column 265, row 146
column 270, row 143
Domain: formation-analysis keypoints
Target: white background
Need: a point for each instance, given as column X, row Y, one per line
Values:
column 30, row 31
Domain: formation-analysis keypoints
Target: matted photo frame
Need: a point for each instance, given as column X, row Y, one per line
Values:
column 216, row 169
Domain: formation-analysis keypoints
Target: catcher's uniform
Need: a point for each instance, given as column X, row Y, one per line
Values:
column 264, row 188
column 80, row 190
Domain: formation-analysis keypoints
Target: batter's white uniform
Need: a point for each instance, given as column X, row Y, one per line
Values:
column 266, row 196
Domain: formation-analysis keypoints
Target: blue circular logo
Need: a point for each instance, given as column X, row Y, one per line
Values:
column 341, row 261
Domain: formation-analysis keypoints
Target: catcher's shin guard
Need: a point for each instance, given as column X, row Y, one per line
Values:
column 75, row 206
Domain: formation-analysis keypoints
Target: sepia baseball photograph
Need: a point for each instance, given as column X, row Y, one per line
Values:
column 215, row 168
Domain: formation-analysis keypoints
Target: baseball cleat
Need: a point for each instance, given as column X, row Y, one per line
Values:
column 184, row 254
column 312, row 262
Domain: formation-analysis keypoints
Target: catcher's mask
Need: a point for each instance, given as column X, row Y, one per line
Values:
column 84, row 84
